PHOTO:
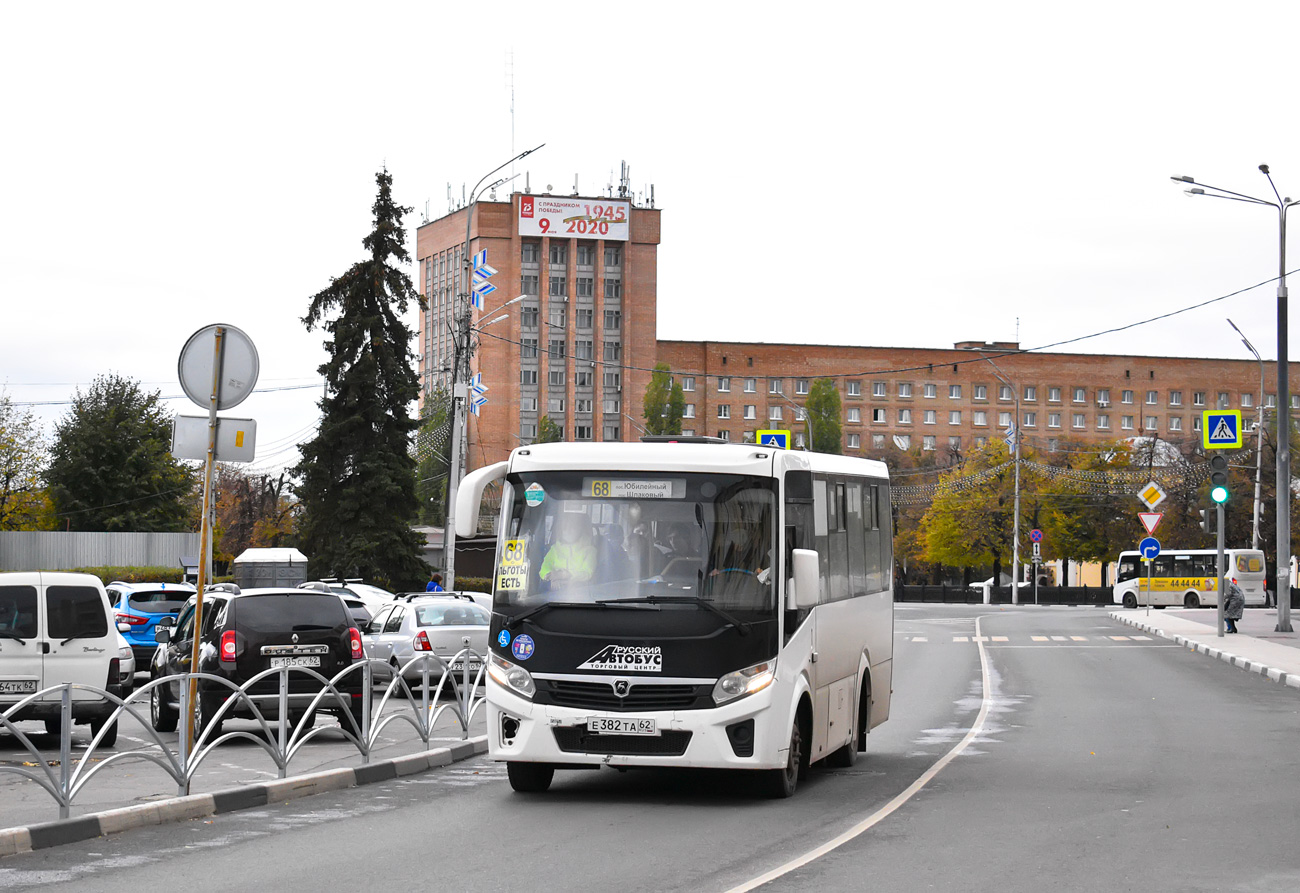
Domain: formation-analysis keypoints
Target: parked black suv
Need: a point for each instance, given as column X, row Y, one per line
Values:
column 247, row 632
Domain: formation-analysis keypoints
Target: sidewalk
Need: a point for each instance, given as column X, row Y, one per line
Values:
column 1258, row 648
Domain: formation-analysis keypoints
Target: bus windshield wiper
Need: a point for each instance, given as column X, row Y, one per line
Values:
column 741, row 626
column 517, row 619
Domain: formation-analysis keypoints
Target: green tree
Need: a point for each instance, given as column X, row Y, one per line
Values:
column 111, row 467
column 548, row 431
column 969, row 521
column 22, row 455
column 357, row 475
column 822, row 409
column 664, row 402
column 431, row 447
column 253, row 511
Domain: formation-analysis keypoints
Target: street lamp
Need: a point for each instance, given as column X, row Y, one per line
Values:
column 807, row 419
column 1015, row 523
column 459, row 375
column 1259, row 442
column 1283, row 504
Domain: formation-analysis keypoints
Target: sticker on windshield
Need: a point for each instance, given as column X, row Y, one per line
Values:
column 504, row 639
column 522, row 648
column 534, row 494
column 512, row 572
column 631, row 658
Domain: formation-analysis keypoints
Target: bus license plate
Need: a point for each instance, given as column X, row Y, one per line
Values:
column 617, row 725
column 17, row 686
column 306, row 660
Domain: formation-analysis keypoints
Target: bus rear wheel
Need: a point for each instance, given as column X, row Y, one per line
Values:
column 1130, row 600
column 1190, row 600
column 530, row 778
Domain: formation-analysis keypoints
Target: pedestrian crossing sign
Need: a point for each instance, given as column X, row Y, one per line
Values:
column 774, row 438
column 1221, row 429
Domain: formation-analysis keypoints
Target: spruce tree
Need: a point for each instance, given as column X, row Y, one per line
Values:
column 357, row 476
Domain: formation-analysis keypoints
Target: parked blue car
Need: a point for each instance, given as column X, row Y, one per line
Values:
column 139, row 607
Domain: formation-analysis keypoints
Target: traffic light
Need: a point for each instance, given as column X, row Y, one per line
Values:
column 1218, row 478
column 1205, row 520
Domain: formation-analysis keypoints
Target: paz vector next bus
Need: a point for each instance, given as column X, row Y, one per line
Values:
column 685, row 604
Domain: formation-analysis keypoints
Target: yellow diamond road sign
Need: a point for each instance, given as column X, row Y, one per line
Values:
column 1152, row 495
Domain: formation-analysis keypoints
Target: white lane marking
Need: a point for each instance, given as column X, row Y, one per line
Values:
column 1078, row 638
column 1039, row 639
column 885, row 811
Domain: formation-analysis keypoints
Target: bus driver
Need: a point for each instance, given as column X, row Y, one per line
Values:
column 573, row 556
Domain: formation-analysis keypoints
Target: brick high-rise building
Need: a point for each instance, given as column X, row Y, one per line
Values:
column 578, row 347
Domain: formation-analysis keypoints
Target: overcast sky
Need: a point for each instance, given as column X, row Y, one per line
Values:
column 895, row 174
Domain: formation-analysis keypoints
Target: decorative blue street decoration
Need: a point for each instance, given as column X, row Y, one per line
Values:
column 477, row 390
column 482, row 273
column 1149, row 547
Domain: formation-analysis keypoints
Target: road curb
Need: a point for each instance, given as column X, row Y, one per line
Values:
column 88, row 827
column 1274, row 674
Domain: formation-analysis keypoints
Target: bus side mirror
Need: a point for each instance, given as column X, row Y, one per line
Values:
column 807, row 580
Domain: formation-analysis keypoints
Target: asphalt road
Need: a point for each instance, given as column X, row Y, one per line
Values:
column 1093, row 759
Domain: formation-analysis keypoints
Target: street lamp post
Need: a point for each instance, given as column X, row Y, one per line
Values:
column 460, row 375
column 1283, row 504
column 1015, row 523
column 807, row 419
column 1259, row 441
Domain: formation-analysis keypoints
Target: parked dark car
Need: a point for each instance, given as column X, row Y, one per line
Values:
column 247, row 632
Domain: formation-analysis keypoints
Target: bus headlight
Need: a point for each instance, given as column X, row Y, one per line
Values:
column 744, row 682
column 512, row 676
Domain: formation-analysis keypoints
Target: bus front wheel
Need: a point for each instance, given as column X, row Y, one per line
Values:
column 530, row 778
column 1190, row 600
column 1130, row 600
column 780, row 783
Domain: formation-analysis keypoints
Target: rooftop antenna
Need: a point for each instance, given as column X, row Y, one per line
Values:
column 575, row 184
column 610, row 186
column 624, row 180
column 510, row 84
column 451, row 202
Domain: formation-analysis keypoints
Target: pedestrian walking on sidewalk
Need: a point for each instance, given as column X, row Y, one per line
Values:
column 1234, row 602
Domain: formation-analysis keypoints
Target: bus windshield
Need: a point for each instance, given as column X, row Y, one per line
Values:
column 638, row 541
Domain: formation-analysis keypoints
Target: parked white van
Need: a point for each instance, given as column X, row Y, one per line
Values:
column 55, row 628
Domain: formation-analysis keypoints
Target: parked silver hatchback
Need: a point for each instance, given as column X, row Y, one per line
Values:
column 438, row 624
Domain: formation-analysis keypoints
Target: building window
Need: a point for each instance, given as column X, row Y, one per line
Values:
column 751, row 385
column 1103, row 422
column 613, row 320
column 1126, row 422
column 1151, row 423
column 724, row 436
column 929, row 416
column 1247, row 401
column 1175, row 398
column 1196, row 423
column 613, row 380
column 611, row 432
column 927, row 442
column 1103, row 397
column 688, row 411
column 613, row 407
column 1126, row 397
column 583, row 379
column 905, row 416
column 877, row 389
column 583, row 349
column 688, row 383
column 613, row 351
column 774, row 413
column 1053, row 395
column 556, row 349
column 1152, row 397
column 854, row 442
column 1031, row 393
column 555, row 378
column 855, row 416
column 724, row 385
column 1078, row 420
column 1031, row 419
column 1270, row 401
column 954, row 417
column 528, row 348
column 528, row 376
column 528, row 317
column 1004, row 420
column 855, row 388
column 878, row 441
column 1175, row 423
column 954, row 392
column 582, row 432
column 528, row 432
column 583, row 317
column 528, row 404
column 980, row 417
column 557, row 316
column 954, row 444
column 878, row 415
column 724, row 411
column 613, row 257
column 559, row 287
column 582, row 404
column 1004, row 393
column 904, row 389
column 1223, row 399
column 931, row 391
column 1198, row 398
column 751, row 411
column 747, row 437
column 559, row 253
column 801, row 386
column 528, row 283
column 903, row 441
column 774, row 386
column 981, row 392
column 586, row 255
column 1080, row 395
column 981, row 442
column 1053, row 420
column 555, row 405
column 613, row 288
column 531, row 252
column 584, row 287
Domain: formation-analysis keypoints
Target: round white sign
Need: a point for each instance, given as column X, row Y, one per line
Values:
column 239, row 366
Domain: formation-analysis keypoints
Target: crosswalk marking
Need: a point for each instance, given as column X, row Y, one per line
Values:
column 1036, row 638
column 1120, row 638
column 1078, row 638
column 1039, row 639
column 1059, row 639
column 1000, row 639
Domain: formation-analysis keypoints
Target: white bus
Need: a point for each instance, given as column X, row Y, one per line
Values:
column 1187, row 577
column 735, row 611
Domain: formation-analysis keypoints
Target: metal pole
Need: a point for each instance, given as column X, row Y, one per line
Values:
column 1259, row 441
column 1015, row 523
column 1219, row 564
column 1283, row 439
